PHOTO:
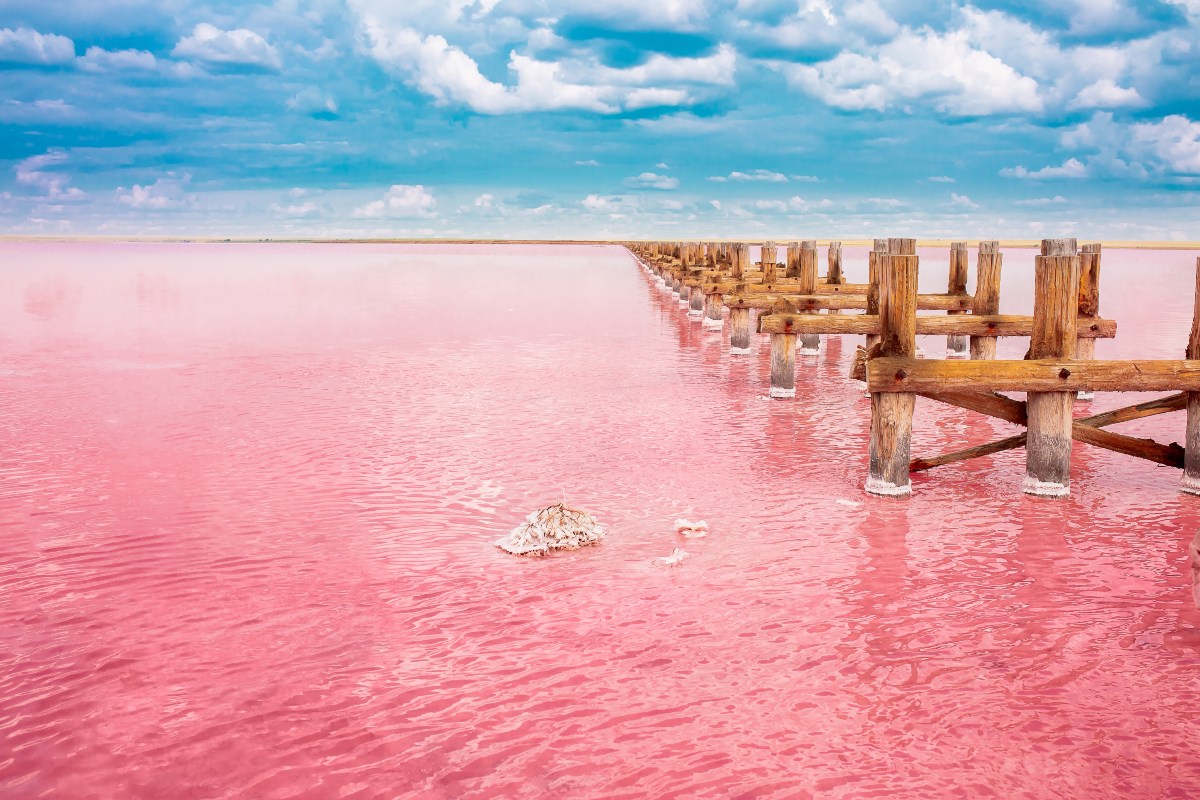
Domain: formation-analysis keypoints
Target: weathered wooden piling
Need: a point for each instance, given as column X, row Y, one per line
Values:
column 833, row 274
column 806, row 272
column 714, row 312
column 740, row 260
column 696, row 303
column 769, row 257
column 987, row 296
column 956, row 346
column 783, row 365
column 1055, row 314
column 1191, row 464
column 892, row 412
column 740, row 330
column 878, row 248
column 1089, row 303
column 792, row 269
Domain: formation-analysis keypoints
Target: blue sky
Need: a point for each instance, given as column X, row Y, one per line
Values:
column 576, row 119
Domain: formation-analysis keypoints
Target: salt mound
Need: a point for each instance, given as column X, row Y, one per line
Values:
column 558, row 527
column 691, row 530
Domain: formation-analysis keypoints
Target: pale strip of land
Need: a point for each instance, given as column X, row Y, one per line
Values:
column 1004, row 243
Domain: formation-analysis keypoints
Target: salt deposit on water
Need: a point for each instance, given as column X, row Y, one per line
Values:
column 268, row 572
column 557, row 527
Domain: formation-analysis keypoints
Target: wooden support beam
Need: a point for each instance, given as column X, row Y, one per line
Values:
column 956, row 344
column 987, row 403
column 987, row 296
column 769, row 255
column 879, row 247
column 891, row 413
column 967, row 325
column 1044, row 375
column 1081, row 430
column 783, row 365
column 1191, row 469
column 1089, row 302
column 809, row 343
column 714, row 312
column 1055, row 311
column 739, row 331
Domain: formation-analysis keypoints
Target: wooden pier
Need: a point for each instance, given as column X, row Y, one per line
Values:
column 1058, row 369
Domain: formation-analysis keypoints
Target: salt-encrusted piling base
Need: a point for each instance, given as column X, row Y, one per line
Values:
column 1044, row 488
column 740, row 351
column 1085, row 397
column 809, row 344
column 557, row 527
column 808, row 351
column 957, row 353
column 711, row 324
column 886, row 489
column 1190, row 485
column 782, row 393
column 694, row 315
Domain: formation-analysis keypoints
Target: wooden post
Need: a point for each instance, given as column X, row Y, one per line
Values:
column 793, row 260
column 892, row 412
column 783, row 365
column 740, row 330
column 987, row 296
column 1055, row 314
column 1089, row 302
column 696, row 304
column 833, row 275
column 880, row 247
column 956, row 346
column 738, row 258
column 1191, row 459
column 714, row 312
column 769, row 255
column 810, row 343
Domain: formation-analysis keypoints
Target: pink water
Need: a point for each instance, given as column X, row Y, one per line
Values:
column 248, row 495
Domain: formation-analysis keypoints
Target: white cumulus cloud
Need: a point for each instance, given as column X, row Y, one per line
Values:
column 212, row 45
column 652, row 180
column 1105, row 93
column 165, row 193
column 1071, row 168
column 36, row 172
column 401, row 201
column 97, row 59
column 945, row 69
column 25, row 46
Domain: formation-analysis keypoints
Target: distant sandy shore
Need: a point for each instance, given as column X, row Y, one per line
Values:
column 1010, row 243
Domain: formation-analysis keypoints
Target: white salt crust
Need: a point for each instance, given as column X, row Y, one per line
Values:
column 887, row 488
column 1044, row 488
column 695, row 315
column 778, row 392
column 739, row 351
column 711, row 324
column 1190, row 485
column 808, row 351
column 957, row 353
column 691, row 530
column 556, row 527
column 1085, row 396
column 676, row 556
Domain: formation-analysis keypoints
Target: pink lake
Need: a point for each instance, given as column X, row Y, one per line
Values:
column 248, row 495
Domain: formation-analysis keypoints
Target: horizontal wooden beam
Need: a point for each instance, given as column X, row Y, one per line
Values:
column 1085, row 429
column 962, row 325
column 1050, row 375
column 988, row 403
